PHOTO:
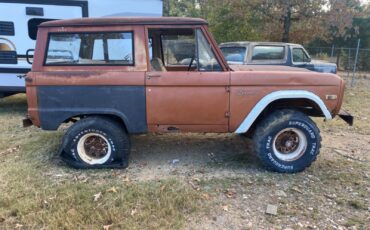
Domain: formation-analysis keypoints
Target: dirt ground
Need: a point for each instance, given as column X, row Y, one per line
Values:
column 187, row 181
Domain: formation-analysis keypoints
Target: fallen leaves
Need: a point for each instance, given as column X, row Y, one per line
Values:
column 133, row 212
column 194, row 186
column 163, row 187
column 230, row 193
column 281, row 193
column 106, row 227
column 296, row 189
column 330, row 196
column 196, row 179
column 10, row 150
column 195, row 183
column 82, row 178
column 205, row 196
column 225, row 208
column 126, row 179
column 112, row 190
column 97, row 196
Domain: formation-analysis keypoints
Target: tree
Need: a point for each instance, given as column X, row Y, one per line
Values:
column 339, row 19
column 181, row 8
column 280, row 16
column 229, row 20
column 299, row 21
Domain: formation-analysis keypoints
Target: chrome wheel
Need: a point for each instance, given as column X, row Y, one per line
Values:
column 94, row 148
column 289, row 144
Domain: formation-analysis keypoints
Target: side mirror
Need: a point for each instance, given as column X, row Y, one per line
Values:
column 308, row 59
column 30, row 56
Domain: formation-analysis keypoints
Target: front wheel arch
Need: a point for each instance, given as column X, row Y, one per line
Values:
column 271, row 98
column 303, row 105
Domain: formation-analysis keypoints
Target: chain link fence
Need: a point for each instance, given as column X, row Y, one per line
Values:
column 345, row 58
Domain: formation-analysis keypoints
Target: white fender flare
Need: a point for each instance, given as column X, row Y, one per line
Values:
column 282, row 94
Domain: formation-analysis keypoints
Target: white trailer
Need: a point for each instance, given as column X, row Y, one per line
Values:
column 19, row 20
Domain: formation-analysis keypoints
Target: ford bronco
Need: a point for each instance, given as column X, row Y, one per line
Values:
column 115, row 77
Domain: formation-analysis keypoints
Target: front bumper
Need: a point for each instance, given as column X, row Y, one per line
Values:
column 348, row 118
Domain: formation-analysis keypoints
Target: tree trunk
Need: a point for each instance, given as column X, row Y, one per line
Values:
column 287, row 23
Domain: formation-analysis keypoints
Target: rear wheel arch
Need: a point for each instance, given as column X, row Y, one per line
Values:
column 299, row 100
column 119, row 119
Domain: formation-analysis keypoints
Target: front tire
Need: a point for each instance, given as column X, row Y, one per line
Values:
column 287, row 141
column 96, row 142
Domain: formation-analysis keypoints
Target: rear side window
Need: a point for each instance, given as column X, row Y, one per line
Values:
column 268, row 53
column 108, row 48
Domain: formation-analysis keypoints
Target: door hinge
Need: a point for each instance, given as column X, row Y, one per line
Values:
column 227, row 114
column 227, row 88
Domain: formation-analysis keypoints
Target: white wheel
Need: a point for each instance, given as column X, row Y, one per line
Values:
column 94, row 148
column 289, row 144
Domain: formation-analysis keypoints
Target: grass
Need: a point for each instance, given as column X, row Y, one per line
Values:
column 39, row 191
column 71, row 204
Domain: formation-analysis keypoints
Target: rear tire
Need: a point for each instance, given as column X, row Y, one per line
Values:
column 96, row 142
column 287, row 141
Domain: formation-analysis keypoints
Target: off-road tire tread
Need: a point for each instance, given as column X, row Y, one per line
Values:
column 275, row 118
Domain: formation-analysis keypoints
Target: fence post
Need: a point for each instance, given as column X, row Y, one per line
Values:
column 354, row 66
column 338, row 57
column 348, row 62
column 332, row 51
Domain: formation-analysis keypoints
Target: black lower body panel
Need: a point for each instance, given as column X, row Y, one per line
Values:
column 60, row 103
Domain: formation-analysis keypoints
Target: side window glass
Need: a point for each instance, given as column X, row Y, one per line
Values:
column 268, row 53
column 150, row 46
column 178, row 50
column 63, row 48
column 206, row 59
column 234, row 54
column 113, row 48
column 299, row 55
column 98, row 50
column 120, row 48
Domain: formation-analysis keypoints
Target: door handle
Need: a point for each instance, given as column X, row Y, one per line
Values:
column 150, row 75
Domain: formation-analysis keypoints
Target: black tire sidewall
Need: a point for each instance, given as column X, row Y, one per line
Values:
column 101, row 127
column 309, row 155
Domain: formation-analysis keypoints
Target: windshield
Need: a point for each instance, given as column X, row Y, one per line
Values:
column 234, row 54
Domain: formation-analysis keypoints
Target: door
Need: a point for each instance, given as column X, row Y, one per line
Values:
column 186, row 88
